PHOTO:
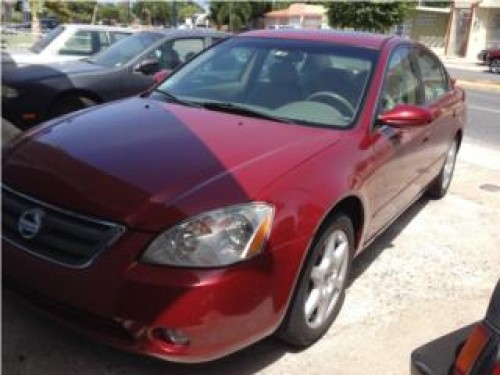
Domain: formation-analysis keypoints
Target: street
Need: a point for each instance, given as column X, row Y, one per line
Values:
column 484, row 111
column 430, row 273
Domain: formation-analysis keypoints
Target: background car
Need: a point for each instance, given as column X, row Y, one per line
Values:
column 493, row 60
column 472, row 350
column 227, row 203
column 68, row 42
column 39, row 92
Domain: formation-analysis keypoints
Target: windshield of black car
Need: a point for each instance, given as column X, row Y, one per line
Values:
column 304, row 81
column 125, row 50
column 42, row 43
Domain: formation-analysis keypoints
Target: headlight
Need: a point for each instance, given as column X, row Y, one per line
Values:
column 9, row 92
column 216, row 238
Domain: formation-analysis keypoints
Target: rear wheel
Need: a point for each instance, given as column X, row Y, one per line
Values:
column 495, row 66
column 68, row 104
column 439, row 187
column 321, row 288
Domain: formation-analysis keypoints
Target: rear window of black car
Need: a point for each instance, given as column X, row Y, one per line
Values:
column 125, row 50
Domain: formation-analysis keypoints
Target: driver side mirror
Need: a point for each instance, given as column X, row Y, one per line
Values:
column 147, row 67
column 406, row 115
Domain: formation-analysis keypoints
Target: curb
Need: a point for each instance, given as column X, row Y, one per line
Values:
column 479, row 85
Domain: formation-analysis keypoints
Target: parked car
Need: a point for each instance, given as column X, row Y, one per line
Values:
column 471, row 350
column 227, row 203
column 493, row 59
column 69, row 42
column 35, row 93
column 490, row 57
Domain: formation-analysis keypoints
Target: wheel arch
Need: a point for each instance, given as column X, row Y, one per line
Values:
column 73, row 92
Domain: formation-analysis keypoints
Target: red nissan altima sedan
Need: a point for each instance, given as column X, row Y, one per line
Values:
column 227, row 203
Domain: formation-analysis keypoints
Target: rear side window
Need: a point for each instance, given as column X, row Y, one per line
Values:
column 434, row 78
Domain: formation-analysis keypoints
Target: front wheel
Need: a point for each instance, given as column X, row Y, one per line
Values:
column 321, row 287
column 441, row 184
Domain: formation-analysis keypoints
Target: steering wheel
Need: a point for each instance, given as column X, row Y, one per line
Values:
column 337, row 99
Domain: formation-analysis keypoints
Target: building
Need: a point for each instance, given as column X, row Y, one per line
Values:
column 297, row 16
column 474, row 25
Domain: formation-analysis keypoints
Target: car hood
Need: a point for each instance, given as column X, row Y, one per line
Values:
column 148, row 164
column 45, row 71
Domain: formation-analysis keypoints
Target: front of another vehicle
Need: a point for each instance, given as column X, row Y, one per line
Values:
column 36, row 93
column 176, row 224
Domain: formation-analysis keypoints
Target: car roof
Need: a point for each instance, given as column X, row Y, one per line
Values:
column 187, row 32
column 80, row 26
column 361, row 39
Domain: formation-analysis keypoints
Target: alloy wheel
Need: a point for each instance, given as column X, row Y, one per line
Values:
column 327, row 279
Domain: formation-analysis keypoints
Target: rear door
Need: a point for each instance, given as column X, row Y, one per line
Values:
column 445, row 104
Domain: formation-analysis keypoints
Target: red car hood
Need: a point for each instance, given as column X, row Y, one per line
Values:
column 148, row 164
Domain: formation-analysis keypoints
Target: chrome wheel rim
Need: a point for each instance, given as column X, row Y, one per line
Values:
column 327, row 279
column 449, row 164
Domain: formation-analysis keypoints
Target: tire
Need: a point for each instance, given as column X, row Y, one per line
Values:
column 495, row 66
column 69, row 103
column 320, row 290
column 441, row 184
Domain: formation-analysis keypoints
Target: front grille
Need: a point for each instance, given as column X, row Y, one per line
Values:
column 63, row 237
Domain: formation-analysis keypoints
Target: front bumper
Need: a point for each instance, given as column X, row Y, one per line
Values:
column 122, row 303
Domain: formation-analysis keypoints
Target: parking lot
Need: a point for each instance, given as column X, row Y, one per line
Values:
column 433, row 271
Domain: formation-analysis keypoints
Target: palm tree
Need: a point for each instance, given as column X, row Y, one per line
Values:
column 235, row 14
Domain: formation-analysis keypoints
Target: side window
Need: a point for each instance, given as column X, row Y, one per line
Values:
column 401, row 84
column 186, row 49
column 82, row 43
column 434, row 77
column 173, row 53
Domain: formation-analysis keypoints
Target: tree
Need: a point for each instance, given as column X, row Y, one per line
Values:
column 234, row 14
column 59, row 9
column 367, row 15
column 153, row 12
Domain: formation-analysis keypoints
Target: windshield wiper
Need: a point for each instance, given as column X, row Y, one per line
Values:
column 175, row 99
column 234, row 108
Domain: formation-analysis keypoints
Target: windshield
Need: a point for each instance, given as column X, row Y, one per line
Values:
column 125, row 50
column 42, row 43
column 308, row 82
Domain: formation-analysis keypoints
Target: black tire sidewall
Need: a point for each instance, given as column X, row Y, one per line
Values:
column 295, row 329
column 437, row 190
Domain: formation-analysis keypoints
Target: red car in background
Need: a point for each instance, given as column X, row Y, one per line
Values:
column 227, row 203
column 491, row 57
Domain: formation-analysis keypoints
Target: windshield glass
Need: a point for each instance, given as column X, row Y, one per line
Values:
column 125, row 50
column 42, row 43
column 308, row 82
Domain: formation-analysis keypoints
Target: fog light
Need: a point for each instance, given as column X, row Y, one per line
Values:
column 169, row 336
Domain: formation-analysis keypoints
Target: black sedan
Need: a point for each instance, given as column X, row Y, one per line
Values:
column 472, row 350
column 33, row 94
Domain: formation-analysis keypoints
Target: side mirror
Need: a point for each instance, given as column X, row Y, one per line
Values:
column 453, row 82
column 406, row 115
column 147, row 67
